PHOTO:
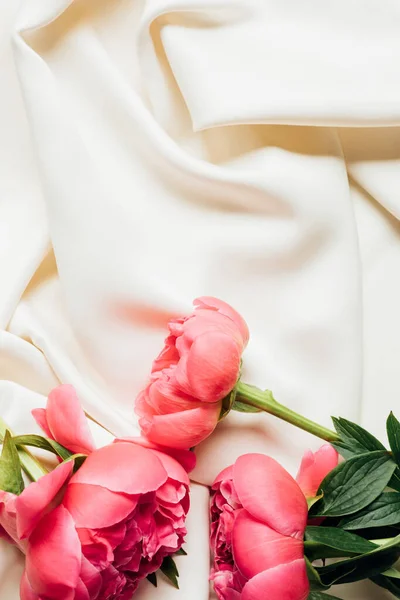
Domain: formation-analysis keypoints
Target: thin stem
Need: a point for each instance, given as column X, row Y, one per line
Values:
column 32, row 467
column 264, row 400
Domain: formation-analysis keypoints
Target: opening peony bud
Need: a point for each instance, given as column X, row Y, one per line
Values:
column 196, row 370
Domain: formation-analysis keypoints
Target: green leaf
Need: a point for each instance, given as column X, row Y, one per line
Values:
column 314, row 578
column 354, row 439
column 181, row 552
column 169, row 569
column 321, row 596
column 152, row 578
column 354, row 484
column 38, row 441
column 10, row 467
column 313, row 500
column 329, row 542
column 394, row 483
column 393, row 432
column 383, row 512
column 387, row 583
column 227, row 404
column 392, row 572
column 78, row 459
column 360, row 567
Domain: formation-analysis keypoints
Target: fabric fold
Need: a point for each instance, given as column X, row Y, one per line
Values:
column 246, row 150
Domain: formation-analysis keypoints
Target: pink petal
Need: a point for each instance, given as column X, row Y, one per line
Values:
column 225, row 585
column 186, row 458
column 67, row 421
column 8, row 520
column 36, row 499
column 174, row 469
column 167, row 357
column 225, row 474
column 286, row 582
column 257, row 547
column 91, row 577
column 210, row 369
column 122, row 467
column 205, row 320
column 170, row 494
column 182, row 430
column 163, row 396
column 80, row 499
column 53, row 559
column 8, row 515
column 95, row 548
column 227, row 310
column 25, row 590
column 39, row 414
column 270, row 494
column 81, row 592
column 315, row 467
column 201, row 322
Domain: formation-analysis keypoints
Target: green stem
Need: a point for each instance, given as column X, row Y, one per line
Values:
column 264, row 400
column 32, row 467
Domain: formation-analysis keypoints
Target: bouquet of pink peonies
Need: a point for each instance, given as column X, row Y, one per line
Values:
column 118, row 513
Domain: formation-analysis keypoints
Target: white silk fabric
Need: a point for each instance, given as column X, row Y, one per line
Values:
column 153, row 151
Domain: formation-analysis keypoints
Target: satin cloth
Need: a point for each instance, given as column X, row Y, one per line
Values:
column 156, row 150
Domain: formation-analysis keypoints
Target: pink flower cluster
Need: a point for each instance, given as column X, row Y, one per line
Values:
column 95, row 534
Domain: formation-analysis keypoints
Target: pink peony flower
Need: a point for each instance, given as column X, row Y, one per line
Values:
column 197, row 368
column 95, row 534
column 258, row 519
column 314, row 467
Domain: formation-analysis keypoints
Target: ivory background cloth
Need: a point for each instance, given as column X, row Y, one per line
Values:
column 156, row 150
